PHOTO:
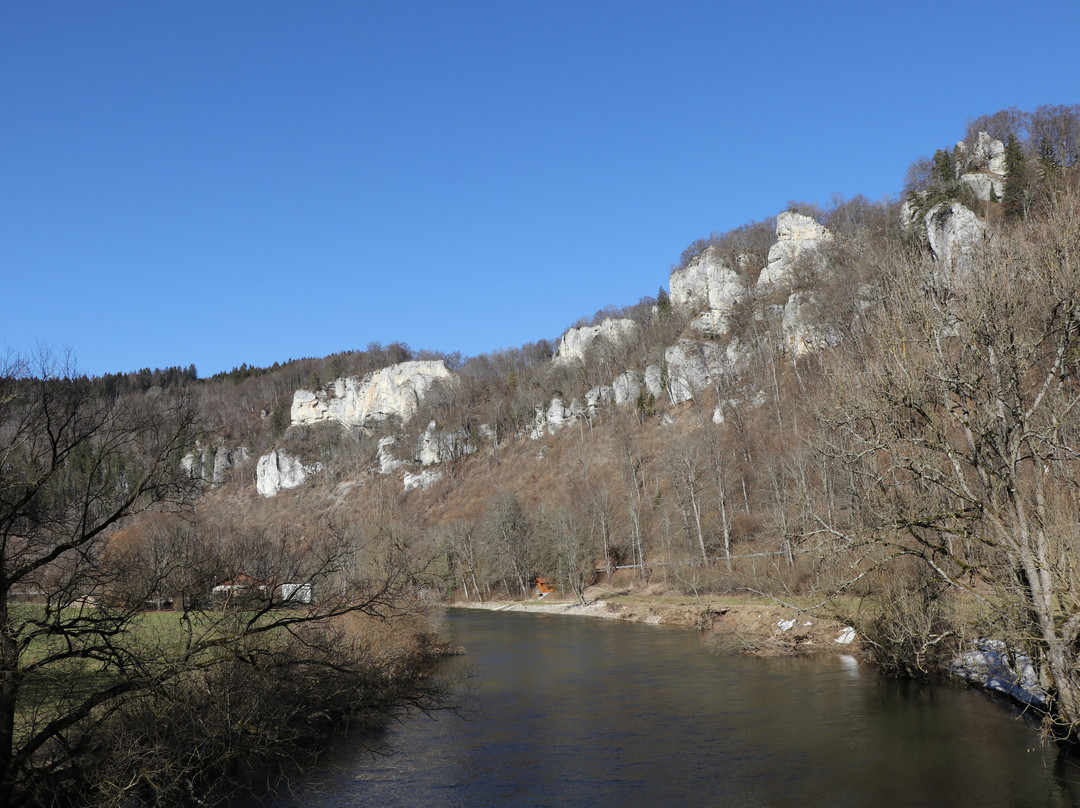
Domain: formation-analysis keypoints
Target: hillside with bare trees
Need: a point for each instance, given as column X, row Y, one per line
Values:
column 867, row 411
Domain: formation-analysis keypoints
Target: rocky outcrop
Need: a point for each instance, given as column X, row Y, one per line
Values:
column 225, row 460
column 804, row 328
column 424, row 480
column 598, row 397
column 986, row 154
column 388, row 463
column 393, row 392
column 277, row 471
column 693, row 365
column 576, row 342
column 799, row 240
column 688, row 369
column 984, row 187
column 211, row 464
column 628, row 387
column 955, row 233
column 556, row 414
column 654, row 381
column 626, row 390
column 709, row 286
column 194, row 463
column 726, row 406
column 442, row 446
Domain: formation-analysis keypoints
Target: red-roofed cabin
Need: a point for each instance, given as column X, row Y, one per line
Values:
column 544, row 586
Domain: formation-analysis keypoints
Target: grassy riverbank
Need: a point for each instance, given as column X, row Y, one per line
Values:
column 744, row 624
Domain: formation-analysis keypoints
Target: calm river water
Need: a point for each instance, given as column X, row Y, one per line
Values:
column 587, row 712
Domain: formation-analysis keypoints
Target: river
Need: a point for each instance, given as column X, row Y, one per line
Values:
column 586, row 712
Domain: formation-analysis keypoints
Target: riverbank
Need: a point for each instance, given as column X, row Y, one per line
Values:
column 743, row 624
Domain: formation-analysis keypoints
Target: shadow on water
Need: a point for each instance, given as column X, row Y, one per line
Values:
column 586, row 712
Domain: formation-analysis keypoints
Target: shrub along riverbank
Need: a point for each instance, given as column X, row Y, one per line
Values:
column 261, row 712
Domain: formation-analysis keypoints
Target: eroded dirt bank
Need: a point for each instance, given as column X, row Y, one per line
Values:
column 733, row 623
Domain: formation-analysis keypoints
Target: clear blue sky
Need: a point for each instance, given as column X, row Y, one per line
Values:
column 251, row 181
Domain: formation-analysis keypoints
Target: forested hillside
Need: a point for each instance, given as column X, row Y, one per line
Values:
column 867, row 408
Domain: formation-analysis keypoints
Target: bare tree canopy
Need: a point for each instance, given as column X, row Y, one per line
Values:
column 258, row 619
column 956, row 415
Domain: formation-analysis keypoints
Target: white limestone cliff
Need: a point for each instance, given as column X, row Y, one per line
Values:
column 983, row 186
column 627, row 387
column 388, row 463
column 804, row 329
column 394, row 391
column 955, row 234
column 441, row 446
column 798, row 239
column 624, row 391
column 598, row 397
column 211, row 463
column 986, row 154
column 277, row 471
column 709, row 286
column 577, row 341
column 654, row 381
column 693, row 365
column 423, row 480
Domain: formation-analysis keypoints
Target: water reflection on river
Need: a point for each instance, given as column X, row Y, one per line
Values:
column 587, row 712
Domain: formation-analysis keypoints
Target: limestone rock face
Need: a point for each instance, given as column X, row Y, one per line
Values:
column 988, row 154
column 551, row 419
column 394, row 391
column 803, row 327
column 424, row 480
column 654, row 381
column 388, row 463
column 693, row 365
column 577, row 341
column 954, row 233
column 707, row 284
column 984, row 186
column 599, row 396
column 798, row 238
column 190, row 466
column 689, row 286
column 688, row 369
column 430, row 451
column 575, row 411
column 627, row 387
column 210, row 464
column 559, row 414
column 908, row 215
column 277, row 471
column 556, row 414
column 441, row 445
column 226, row 460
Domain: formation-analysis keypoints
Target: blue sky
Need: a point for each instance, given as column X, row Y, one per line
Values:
column 226, row 182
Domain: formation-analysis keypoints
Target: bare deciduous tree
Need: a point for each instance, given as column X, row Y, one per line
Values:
column 78, row 656
column 958, row 414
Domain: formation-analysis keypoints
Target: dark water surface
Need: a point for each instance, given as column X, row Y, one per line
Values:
column 588, row 712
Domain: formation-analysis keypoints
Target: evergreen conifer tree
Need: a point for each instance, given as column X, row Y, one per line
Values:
column 1014, row 197
column 663, row 303
column 1049, row 167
